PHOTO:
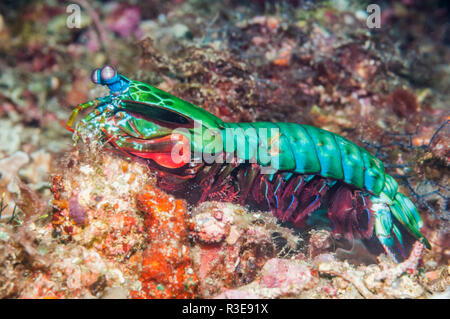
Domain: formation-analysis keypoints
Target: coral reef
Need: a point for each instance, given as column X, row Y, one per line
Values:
column 90, row 238
column 113, row 234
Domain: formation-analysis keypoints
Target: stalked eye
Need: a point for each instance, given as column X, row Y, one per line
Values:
column 107, row 73
column 94, row 76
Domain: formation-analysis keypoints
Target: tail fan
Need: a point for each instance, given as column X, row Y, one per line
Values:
column 387, row 213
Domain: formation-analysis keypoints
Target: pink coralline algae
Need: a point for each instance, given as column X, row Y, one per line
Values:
column 125, row 20
column 76, row 211
column 279, row 278
column 283, row 273
column 210, row 229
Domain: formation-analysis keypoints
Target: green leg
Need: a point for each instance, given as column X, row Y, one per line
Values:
column 79, row 108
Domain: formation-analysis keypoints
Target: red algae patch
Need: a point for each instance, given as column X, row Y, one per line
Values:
column 166, row 267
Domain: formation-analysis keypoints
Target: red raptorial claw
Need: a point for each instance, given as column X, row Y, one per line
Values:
column 167, row 158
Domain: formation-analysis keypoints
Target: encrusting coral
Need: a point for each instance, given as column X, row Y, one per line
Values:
column 166, row 267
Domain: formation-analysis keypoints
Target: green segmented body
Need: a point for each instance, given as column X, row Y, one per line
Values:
column 138, row 118
column 305, row 149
